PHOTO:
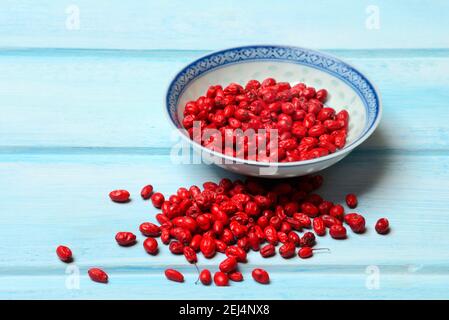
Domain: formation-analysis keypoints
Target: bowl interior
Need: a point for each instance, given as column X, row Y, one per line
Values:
column 348, row 88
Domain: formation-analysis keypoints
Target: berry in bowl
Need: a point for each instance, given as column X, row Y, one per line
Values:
column 272, row 111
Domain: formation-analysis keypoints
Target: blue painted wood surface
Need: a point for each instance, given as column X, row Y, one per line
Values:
column 86, row 118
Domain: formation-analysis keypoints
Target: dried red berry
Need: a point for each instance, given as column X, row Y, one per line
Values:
column 176, row 247
column 174, row 275
column 165, row 236
column 310, row 209
column 261, row 276
column 287, row 250
column 98, row 275
column 157, row 199
column 228, row 265
column 150, row 245
column 305, row 220
column 294, row 238
column 146, row 192
column 208, row 246
column 337, row 211
column 125, row 238
column 382, row 226
column 64, row 253
column 235, row 276
column 190, row 255
column 319, row 227
column 307, row 240
column 356, row 222
column 221, row 279
column 337, row 231
column 268, row 251
column 196, row 242
column 305, row 252
column 205, row 277
column 119, row 196
column 329, row 221
column 351, row 200
column 149, row 229
column 236, row 252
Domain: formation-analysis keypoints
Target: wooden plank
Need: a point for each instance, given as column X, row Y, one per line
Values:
column 62, row 198
column 137, row 24
column 114, row 99
column 307, row 285
column 54, row 199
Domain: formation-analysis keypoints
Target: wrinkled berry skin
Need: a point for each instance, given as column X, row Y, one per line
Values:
column 268, row 251
column 157, row 199
column 261, row 276
column 149, row 229
column 382, row 226
column 356, row 222
column 176, row 247
column 174, row 275
column 228, row 265
column 64, row 253
column 190, row 255
column 125, row 238
column 146, row 192
column 236, row 252
column 98, row 275
column 287, row 250
column 307, row 240
column 120, row 196
column 337, row 231
column 319, row 227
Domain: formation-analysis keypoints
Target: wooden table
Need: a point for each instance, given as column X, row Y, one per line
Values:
column 82, row 114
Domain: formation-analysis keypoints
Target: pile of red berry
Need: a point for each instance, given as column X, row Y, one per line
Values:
column 305, row 127
column 235, row 217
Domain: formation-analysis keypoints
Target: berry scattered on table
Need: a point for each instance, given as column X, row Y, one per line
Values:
column 205, row 277
column 174, row 275
column 150, row 245
column 261, row 276
column 146, row 192
column 382, row 226
column 64, row 253
column 234, row 218
column 351, row 200
column 119, row 196
column 98, row 275
column 221, row 279
column 125, row 238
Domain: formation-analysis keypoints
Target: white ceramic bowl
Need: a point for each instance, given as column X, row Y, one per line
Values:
column 348, row 89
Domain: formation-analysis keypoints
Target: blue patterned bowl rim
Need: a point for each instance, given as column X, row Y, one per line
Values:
column 334, row 66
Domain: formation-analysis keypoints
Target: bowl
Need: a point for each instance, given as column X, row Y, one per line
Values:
column 348, row 89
